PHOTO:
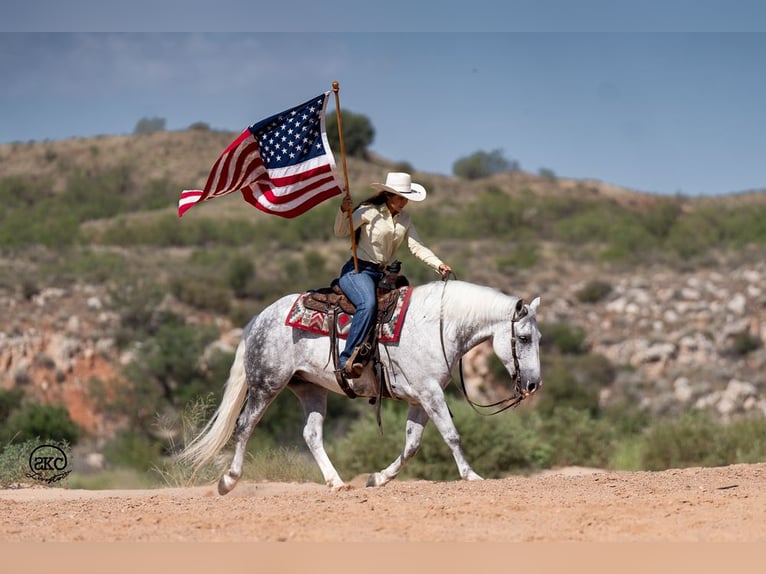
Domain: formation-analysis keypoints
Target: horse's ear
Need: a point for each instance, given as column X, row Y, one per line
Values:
column 520, row 311
column 534, row 305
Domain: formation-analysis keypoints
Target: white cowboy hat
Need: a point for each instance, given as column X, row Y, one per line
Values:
column 401, row 184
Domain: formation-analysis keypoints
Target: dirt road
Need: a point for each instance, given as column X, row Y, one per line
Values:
column 725, row 504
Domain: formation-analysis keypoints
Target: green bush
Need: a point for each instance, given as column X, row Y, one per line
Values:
column 43, row 422
column 495, row 446
column 240, row 275
column 133, row 449
column 593, row 291
column 482, row 164
column 578, row 438
column 563, row 337
column 744, row 343
column 10, row 400
column 695, row 439
column 14, row 459
column 167, row 370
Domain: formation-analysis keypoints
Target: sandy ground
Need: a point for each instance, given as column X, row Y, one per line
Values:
column 726, row 504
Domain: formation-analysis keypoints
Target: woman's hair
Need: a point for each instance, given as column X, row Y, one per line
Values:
column 377, row 199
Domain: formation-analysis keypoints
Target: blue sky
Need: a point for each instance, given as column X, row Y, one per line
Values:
column 666, row 97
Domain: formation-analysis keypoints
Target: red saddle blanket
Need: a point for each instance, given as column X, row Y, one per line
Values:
column 305, row 319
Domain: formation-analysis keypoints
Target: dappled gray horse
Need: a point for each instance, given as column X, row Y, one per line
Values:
column 444, row 321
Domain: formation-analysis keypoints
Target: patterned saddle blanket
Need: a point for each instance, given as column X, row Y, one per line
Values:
column 313, row 311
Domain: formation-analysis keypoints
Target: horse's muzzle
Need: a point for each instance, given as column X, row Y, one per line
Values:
column 531, row 389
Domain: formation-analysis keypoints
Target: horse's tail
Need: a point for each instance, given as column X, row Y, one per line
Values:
column 220, row 427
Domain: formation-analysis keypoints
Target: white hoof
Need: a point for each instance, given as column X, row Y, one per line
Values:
column 473, row 476
column 377, row 479
column 226, row 484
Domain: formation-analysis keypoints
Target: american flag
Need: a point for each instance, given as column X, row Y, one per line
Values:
column 283, row 165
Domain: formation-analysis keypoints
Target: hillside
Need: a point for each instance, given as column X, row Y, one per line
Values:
column 681, row 317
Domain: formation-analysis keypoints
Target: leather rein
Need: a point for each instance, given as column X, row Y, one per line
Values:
column 504, row 404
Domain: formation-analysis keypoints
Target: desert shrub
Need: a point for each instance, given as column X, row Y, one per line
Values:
column 86, row 265
column 198, row 292
column 694, row 233
column 138, row 304
column 564, row 338
column 134, row 449
column 14, row 459
column 662, row 216
column 494, row 213
column 513, row 442
column 578, row 438
column 482, row 164
column 495, row 446
column 560, row 389
column 547, row 173
column 594, row 291
column 10, row 400
column 167, row 368
column 149, row 126
column 522, row 255
column 43, row 422
column 695, row 439
column 744, row 343
column 240, row 275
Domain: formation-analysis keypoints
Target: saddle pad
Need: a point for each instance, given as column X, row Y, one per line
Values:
column 318, row 322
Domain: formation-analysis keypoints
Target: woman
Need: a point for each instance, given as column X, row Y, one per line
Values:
column 381, row 226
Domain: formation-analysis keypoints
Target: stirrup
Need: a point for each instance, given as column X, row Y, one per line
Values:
column 352, row 370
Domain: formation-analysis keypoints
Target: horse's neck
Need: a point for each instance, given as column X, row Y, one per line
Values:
column 469, row 312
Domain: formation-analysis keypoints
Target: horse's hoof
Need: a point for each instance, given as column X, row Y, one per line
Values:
column 339, row 487
column 473, row 476
column 226, row 484
column 377, row 479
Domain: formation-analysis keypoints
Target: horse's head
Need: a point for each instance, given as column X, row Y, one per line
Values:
column 519, row 349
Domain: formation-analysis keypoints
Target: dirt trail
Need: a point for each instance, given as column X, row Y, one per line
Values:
column 726, row 504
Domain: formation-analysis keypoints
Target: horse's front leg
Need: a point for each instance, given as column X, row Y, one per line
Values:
column 314, row 401
column 436, row 407
column 416, row 422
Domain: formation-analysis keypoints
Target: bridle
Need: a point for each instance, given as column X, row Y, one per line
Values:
column 502, row 405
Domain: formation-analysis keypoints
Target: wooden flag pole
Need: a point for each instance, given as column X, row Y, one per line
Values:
column 336, row 88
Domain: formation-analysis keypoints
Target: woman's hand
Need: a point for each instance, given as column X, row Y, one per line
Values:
column 444, row 270
column 346, row 204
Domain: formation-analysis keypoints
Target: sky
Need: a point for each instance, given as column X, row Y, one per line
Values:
column 667, row 97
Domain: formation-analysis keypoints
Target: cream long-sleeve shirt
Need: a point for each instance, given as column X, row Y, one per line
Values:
column 382, row 234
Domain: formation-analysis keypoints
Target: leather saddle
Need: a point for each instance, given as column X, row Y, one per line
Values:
column 331, row 300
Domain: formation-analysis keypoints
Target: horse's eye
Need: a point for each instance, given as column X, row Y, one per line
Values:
column 524, row 338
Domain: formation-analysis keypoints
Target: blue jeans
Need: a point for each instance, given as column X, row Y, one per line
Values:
column 361, row 289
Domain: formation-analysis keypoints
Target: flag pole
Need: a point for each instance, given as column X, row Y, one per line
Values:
column 336, row 88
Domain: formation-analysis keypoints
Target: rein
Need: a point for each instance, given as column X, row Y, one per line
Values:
column 504, row 404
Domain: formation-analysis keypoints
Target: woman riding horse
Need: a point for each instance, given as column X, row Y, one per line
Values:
column 381, row 225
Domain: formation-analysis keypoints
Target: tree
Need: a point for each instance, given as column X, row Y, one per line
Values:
column 483, row 164
column 358, row 133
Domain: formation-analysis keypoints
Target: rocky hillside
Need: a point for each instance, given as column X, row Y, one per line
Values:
column 679, row 338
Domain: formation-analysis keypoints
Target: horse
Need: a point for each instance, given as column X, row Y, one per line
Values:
column 445, row 320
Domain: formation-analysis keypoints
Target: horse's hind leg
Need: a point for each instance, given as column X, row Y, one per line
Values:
column 314, row 401
column 416, row 422
column 258, row 400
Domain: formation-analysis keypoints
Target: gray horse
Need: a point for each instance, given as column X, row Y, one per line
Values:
column 445, row 320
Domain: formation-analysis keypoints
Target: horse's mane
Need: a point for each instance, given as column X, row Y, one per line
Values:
column 468, row 300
